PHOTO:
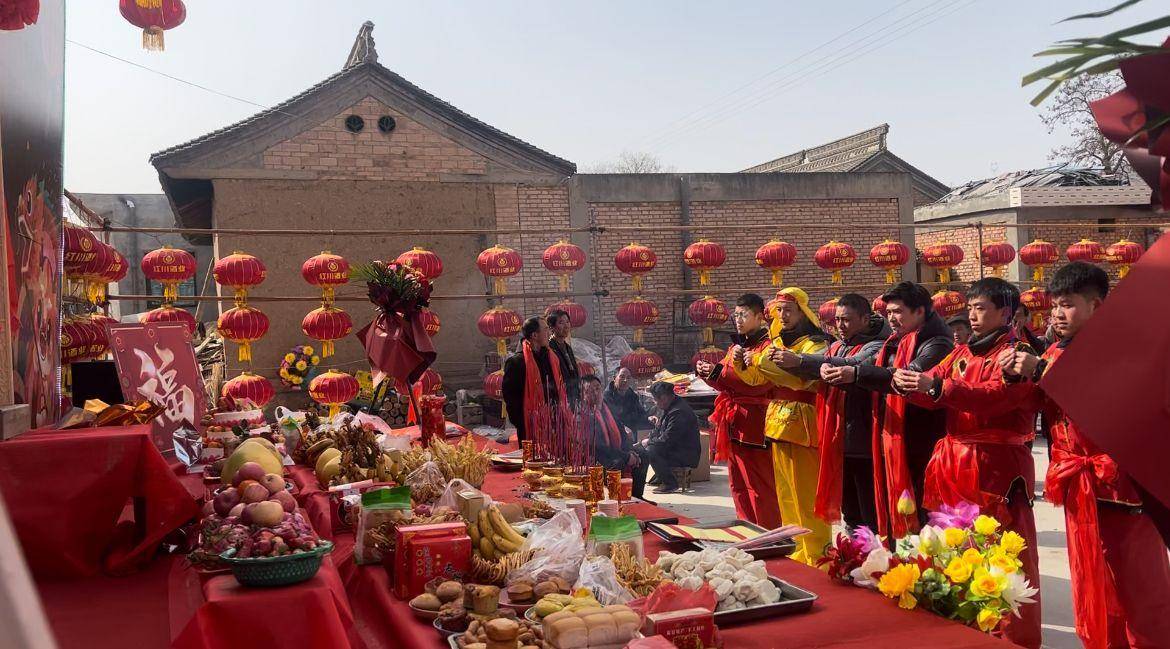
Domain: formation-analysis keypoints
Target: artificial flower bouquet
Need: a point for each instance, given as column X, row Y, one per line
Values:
column 394, row 287
column 297, row 366
column 961, row 566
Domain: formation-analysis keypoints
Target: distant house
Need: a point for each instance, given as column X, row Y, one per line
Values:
column 860, row 152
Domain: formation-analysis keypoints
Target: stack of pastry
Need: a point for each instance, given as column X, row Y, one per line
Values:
column 600, row 627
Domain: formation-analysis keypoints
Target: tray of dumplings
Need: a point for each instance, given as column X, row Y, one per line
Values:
column 741, row 582
column 721, row 535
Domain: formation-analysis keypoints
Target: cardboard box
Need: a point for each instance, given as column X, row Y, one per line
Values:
column 470, row 504
column 423, row 552
column 689, row 628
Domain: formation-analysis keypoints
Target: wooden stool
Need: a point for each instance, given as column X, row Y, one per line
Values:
column 682, row 475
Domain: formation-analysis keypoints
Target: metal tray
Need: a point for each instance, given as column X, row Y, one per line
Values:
column 770, row 551
column 792, row 600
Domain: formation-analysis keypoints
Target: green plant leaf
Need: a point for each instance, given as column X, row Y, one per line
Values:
column 1048, row 70
column 1104, row 12
column 1141, row 28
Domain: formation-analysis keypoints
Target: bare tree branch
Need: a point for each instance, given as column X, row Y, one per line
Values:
column 631, row 162
column 1069, row 110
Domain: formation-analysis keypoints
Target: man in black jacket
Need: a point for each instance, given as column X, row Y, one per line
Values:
column 534, row 340
column 606, row 430
column 625, row 404
column 675, row 440
column 560, row 326
column 862, row 335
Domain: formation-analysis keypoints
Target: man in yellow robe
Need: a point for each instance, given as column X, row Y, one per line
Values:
column 791, row 424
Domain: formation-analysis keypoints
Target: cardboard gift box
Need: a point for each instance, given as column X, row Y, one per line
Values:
column 688, row 628
column 423, row 552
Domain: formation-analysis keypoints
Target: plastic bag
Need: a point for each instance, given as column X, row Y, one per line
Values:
column 559, row 550
column 381, row 511
column 669, row 596
column 457, row 486
column 605, row 531
column 599, row 575
column 377, row 423
column 426, row 483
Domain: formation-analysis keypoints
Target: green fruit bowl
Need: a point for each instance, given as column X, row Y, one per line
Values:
column 277, row 571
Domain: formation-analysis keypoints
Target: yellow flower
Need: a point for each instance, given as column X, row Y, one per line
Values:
column 283, row 373
column 297, row 380
column 906, row 503
column 997, row 558
column 301, row 365
column 972, row 557
column 958, row 570
column 290, row 357
column 308, row 350
column 899, row 582
column 987, row 583
column 988, row 619
column 986, row 525
column 316, row 359
column 954, row 536
column 1012, row 543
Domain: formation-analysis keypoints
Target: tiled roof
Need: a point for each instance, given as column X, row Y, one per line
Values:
column 845, row 154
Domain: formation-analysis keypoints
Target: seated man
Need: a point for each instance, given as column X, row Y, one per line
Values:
column 675, row 440
column 625, row 404
column 612, row 447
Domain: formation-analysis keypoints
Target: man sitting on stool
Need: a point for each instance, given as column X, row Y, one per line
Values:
column 674, row 441
column 613, row 448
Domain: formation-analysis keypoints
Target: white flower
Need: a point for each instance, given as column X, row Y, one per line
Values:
column 931, row 541
column 876, row 561
column 1018, row 592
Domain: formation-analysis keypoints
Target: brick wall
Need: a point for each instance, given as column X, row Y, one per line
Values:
column 409, row 152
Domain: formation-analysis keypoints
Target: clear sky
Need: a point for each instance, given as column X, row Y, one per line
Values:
column 587, row 80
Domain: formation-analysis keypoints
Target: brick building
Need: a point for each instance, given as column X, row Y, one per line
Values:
column 366, row 149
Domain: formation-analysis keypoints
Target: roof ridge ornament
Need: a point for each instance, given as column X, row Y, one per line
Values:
column 363, row 50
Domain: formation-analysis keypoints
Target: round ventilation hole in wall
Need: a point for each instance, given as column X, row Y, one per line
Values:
column 354, row 123
column 386, row 123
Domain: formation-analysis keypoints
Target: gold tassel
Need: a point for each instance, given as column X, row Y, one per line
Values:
column 564, row 283
column 1123, row 271
column 891, row 275
column 67, row 377
column 1038, row 274
column 777, row 277
column 501, row 347
column 334, row 408
column 500, row 285
column 1037, row 320
column 704, row 277
column 326, row 348
column 245, row 353
column 944, row 275
column 836, row 277
column 504, row 412
column 638, row 335
column 152, row 39
column 708, row 335
column 241, row 296
column 327, row 296
column 636, row 281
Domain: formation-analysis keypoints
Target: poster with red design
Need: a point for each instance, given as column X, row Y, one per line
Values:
column 157, row 362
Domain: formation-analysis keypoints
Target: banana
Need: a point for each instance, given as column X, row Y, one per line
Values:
column 485, row 524
column 502, row 527
column 473, row 532
column 504, row 546
column 486, row 549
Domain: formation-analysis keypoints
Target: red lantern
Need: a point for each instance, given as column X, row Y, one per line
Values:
column 1123, row 254
column 240, row 271
column 1086, row 250
column 80, row 249
column 642, row 363
column 708, row 312
column 943, row 257
column 168, row 313
column 327, row 324
column 326, row 270
column 116, row 269
column 99, row 341
column 170, row 267
column 827, row 313
column 501, row 324
column 493, row 385
column 704, row 256
column 635, row 260
column 334, row 388
column 154, row 18
column 1039, row 304
column 835, row 256
column 1039, row 255
column 499, row 263
column 76, row 340
column 243, row 325
column 948, row 303
column 890, row 256
column 424, row 261
column 997, row 255
column 709, row 353
column 431, row 382
column 249, row 387
column 637, row 313
column 430, row 321
column 94, row 272
column 564, row 259
column 100, row 323
column 578, row 316
column 879, row 306
column 775, row 256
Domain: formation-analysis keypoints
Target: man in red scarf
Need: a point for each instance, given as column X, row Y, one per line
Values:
column 612, row 447
column 985, row 457
column 1120, row 571
column 738, row 418
column 533, row 386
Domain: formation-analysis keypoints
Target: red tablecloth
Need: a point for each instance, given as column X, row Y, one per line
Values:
column 67, row 491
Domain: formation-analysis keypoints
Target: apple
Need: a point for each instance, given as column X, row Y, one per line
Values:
column 237, row 511
column 285, row 499
column 226, row 500
column 248, row 471
column 266, row 514
column 244, row 484
column 275, row 483
column 254, row 493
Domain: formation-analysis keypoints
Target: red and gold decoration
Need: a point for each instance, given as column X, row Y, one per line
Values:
column 708, row 313
column 942, row 257
column 249, row 387
column 298, row 365
column 879, row 306
column 563, row 259
column 243, row 325
column 889, row 256
column 775, row 256
column 499, row 263
column 80, row 249
column 154, row 17
column 431, row 382
column 328, row 271
column 95, row 272
column 168, row 313
column 239, row 271
column 948, row 304
column 500, row 324
column 80, row 341
column 1086, row 250
column 709, row 353
column 827, row 314
column 169, row 267
column 635, row 260
column 116, row 269
column 334, row 388
column 422, row 260
column 1039, row 255
column 704, row 256
column 493, row 385
column 578, row 316
column 836, row 257
column 997, row 256
column 327, row 324
column 639, row 314
column 1039, row 304
column 430, row 322
column 642, row 363
column 1124, row 254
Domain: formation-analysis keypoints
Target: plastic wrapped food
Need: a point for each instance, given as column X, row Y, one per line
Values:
column 381, row 511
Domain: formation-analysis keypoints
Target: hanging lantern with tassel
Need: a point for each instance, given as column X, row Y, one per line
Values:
column 239, row 271
column 639, row 314
column 424, row 261
column 93, row 273
column 1124, row 254
column 170, row 314
column 775, row 256
column 154, row 17
column 430, row 321
column 708, row 313
column 1086, row 250
column 948, row 304
column 500, row 324
column 243, row 325
column 942, row 258
column 80, row 249
column 328, row 271
column 635, row 260
column 499, row 263
column 836, row 257
column 249, row 387
column 642, row 363
column 997, row 256
column 169, row 267
column 333, row 389
column 563, row 259
column 879, row 306
column 1039, row 304
column 115, row 271
column 827, row 314
column 704, row 256
column 890, row 256
column 1039, row 255
column 327, row 324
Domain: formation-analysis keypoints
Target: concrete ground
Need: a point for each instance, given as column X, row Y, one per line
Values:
column 710, row 501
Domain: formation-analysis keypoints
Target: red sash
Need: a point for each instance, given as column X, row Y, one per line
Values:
column 831, row 423
column 891, row 471
column 723, row 415
column 613, row 434
column 533, row 388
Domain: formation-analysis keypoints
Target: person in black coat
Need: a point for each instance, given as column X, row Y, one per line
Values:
column 560, row 327
column 625, row 404
column 674, row 441
column 534, row 332
column 621, row 457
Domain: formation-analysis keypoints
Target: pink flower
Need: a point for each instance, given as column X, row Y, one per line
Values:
column 961, row 515
column 866, row 540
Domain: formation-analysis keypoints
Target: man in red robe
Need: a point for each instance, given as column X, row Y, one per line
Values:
column 738, row 417
column 985, row 456
column 1120, row 571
